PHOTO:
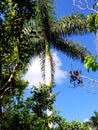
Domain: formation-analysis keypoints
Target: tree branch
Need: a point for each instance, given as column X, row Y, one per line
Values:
column 11, row 76
column 2, row 94
column 77, row 79
column 90, row 79
column 5, row 88
column 78, row 4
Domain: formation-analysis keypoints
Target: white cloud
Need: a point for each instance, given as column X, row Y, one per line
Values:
column 34, row 75
column 85, row 120
column 60, row 74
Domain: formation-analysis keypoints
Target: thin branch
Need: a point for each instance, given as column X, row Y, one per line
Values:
column 11, row 77
column 83, row 77
column 2, row 94
column 90, row 79
column 5, row 87
column 17, row 19
column 92, row 92
column 83, row 8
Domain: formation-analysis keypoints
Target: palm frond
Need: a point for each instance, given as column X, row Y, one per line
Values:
column 32, row 40
column 71, row 25
column 46, row 15
column 70, row 48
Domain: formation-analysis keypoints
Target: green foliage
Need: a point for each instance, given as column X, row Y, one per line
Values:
column 95, row 5
column 31, row 114
column 46, row 29
column 24, row 29
column 90, row 62
column 71, row 25
column 92, row 19
column 93, row 121
column 15, row 50
column 74, row 125
column 92, row 22
column 96, row 21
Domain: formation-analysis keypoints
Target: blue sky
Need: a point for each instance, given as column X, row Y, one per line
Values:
column 78, row 103
column 74, row 104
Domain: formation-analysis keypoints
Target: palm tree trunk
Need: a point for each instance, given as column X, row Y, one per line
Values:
column 48, row 76
column 48, row 70
column 48, row 65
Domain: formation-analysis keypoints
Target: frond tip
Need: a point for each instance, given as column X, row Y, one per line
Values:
column 70, row 48
column 71, row 25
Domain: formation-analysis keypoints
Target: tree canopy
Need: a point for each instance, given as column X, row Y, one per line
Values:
column 29, row 28
column 31, row 113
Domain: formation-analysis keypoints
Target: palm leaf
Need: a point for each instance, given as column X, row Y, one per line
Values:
column 70, row 48
column 46, row 16
column 71, row 25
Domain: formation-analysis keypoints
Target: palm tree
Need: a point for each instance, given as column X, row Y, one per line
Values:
column 48, row 32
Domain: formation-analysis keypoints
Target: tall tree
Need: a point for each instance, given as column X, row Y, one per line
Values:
column 24, row 36
column 51, row 33
column 21, row 39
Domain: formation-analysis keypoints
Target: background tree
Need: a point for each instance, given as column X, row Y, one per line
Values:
column 13, row 60
column 93, row 121
column 15, row 51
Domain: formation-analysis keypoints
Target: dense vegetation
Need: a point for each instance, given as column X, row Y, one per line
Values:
column 22, row 39
column 31, row 114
